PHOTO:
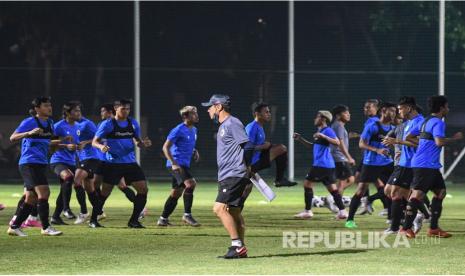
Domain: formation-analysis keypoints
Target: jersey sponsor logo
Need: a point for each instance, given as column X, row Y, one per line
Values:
column 123, row 134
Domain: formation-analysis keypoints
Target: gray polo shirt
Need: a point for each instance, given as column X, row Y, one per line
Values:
column 229, row 153
column 343, row 135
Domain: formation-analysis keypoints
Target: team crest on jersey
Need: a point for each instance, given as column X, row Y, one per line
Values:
column 222, row 132
column 78, row 132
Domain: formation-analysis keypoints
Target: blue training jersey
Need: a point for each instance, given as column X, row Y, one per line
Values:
column 119, row 137
column 371, row 135
column 256, row 135
column 86, row 132
column 428, row 153
column 407, row 152
column 63, row 129
column 34, row 149
column 183, row 139
column 322, row 156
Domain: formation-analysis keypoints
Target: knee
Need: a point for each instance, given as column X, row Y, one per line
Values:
column 282, row 148
column 441, row 195
column 219, row 209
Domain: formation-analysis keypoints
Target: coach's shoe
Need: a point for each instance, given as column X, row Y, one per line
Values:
column 16, row 232
column 284, row 183
column 350, row 224
column 143, row 214
column 235, row 252
column 50, row 231
column 95, row 224
column 389, row 231
column 383, row 213
column 407, row 232
column 418, row 223
column 163, row 222
column 81, row 218
column 438, row 233
column 342, row 214
column 69, row 214
column 57, row 221
column 189, row 219
column 101, row 216
column 2, row 206
column 305, row 214
column 32, row 222
column 331, row 204
column 135, row 224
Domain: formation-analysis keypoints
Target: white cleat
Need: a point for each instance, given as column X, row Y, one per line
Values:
column 81, row 218
column 101, row 217
column 16, row 232
column 363, row 206
column 342, row 214
column 389, row 231
column 383, row 213
column 305, row 214
column 418, row 223
column 50, row 231
column 331, row 205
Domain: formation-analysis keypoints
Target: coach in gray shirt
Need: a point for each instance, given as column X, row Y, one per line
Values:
column 234, row 155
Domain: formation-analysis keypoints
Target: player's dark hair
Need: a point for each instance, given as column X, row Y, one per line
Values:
column 36, row 103
column 386, row 105
column 407, row 100
column 69, row 106
column 122, row 102
column 257, row 107
column 375, row 102
column 338, row 109
column 436, row 102
column 109, row 107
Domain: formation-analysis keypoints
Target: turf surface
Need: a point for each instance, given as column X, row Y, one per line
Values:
column 184, row 250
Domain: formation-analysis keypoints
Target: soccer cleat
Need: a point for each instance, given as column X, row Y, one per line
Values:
column 189, row 219
column 101, row 216
column 95, row 224
column 32, row 222
column 363, row 206
column 389, row 231
column 2, row 206
column 143, row 214
column 50, row 231
column 350, row 224
column 342, row 214
column 135, row 224
column 164, row 222
column 305, row 214
column 57, row 221
column 407, row 232
column 331, row 204
column 418, row 223
column 284, row 183
column 236, row 252
column 438, row 233
column 383, row 213
column 16, row 232
column 81, row 218
column 69, row 214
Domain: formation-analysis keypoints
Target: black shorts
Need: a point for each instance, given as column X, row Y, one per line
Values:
column 230, row 191
column 373, row 173
column 427, row 180
column 57, row 168
column 320, row 174
column 100, row 168
column 359, row 167
column 402, row 177
column 343, row 170
column 178, row 178
column 91, row 166
column 131, row 172
column 33, row 175
column 263, row 162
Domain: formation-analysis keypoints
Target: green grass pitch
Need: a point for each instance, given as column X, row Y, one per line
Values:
column 184, row 250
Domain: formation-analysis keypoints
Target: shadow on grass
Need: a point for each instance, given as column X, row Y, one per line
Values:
column 323, row 253
column 211, row 235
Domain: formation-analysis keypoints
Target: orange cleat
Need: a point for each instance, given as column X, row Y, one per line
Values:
column 438, row 233
column 407, row 232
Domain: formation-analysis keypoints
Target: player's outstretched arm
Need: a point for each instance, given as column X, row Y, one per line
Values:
column 302, row 140
column 440, row 142
column 16, row 136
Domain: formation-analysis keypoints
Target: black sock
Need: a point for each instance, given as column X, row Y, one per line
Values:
column 281, row 164
column 378, row 195
column 20, row 203
column 367, row 193
column 44, row 210
column 59, row 205
column 188, row 198
column 354, row 203
column 129, row 193
column 66, row 192
column 403, row 206
column 103, row 200
column 170, row 205
column 34, row 211
column 411, row 212
column 396, row 213
column 308, row 194
column 427, row 202
column 24, row 212
column 338, row 200
column 81, row 197
column 139, row 204
column 436, row 210
column 388, row 204
column 424, row 210
column 96, row 205
column 97, row 190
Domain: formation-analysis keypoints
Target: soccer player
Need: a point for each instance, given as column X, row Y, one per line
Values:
column 377, row 162
column 179, row 148
column 426, row 165
column 122, row 133
column 323, row 168
column 234, row 156
column 35, row 133
column 63, row 164
column 342, row 158
column 398, row 185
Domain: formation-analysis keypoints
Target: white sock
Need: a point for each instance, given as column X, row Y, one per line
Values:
column 187, row 214
column 236, row 242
